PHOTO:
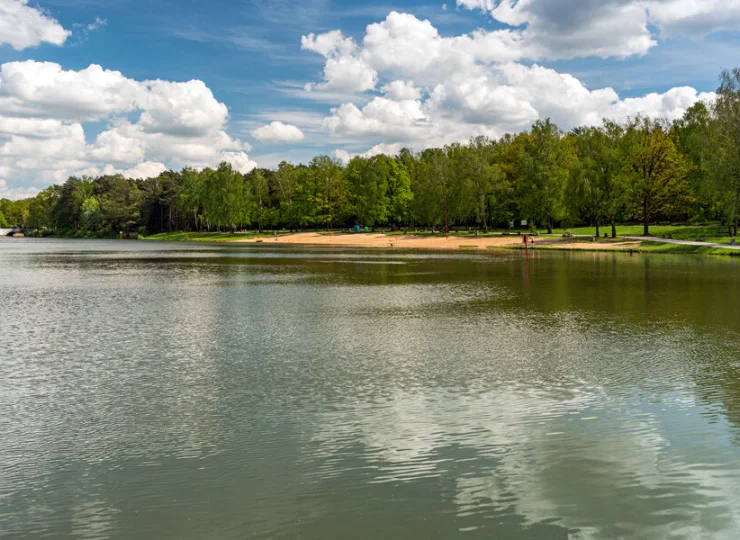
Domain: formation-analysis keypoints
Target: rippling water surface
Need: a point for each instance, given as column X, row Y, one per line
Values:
column 199, row 391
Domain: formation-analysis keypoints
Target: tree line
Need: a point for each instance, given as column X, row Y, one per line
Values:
column 644, row 170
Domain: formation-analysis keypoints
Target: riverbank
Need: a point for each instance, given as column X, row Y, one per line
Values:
column 404, row 241
column 458, row 242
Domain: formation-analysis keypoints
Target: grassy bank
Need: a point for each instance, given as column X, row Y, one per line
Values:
column 204, row 236
column 579, row 242
column 658, row 247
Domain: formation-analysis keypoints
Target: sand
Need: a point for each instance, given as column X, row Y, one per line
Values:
column 391, row 241
column 438, row 242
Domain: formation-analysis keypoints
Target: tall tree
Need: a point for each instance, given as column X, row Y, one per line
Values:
column 438, row 176
column 333, row 197
column 599, row 173
column 545, row 167
column 486, row 181
column 190, row 195
column 399, row 192
column 260, row 195
column 367, row 180
column 283, row 185
column 658, row 179
column 724, row 154
column 119, row 200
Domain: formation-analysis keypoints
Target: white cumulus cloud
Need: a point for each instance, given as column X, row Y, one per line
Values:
column 23, row 26
column 151, row 125
column 278, row 132
column 440, row 89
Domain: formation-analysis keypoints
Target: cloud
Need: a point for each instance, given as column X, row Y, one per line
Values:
column 401, row 90
column 439, row 90
column 343, row 70
column 388, row 149
column 693, row 18
column 97, row 24
column 147, row 169
column 15, row 193
column 22, row 26
column 151, row 125
column 239, row 160
column 343, row 155
column 278, row 132
column 44, row 89
column 573, row 28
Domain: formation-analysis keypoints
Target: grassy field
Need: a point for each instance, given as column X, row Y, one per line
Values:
column 658, row 247
column 710, row 233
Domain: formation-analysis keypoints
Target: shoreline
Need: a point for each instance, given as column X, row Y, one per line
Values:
column 411, row 241
column 453, row 242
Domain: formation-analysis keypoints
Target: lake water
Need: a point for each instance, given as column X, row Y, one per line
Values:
column 216, row 391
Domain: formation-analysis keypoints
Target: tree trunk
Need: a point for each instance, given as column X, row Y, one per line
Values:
column 484, row 218
column 447, row 225
column 614, row 226
column 597, row 229
column 549, row 225
column 645, row 219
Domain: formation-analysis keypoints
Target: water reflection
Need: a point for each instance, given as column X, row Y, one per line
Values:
column 187, row 392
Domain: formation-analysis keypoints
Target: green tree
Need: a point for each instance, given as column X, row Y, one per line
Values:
column 508, row 155
column 367, row 181
column 90, row 214
column 481, row 178
column 437, row 179
column 691, row 133
column 119, row 200
column 658, row 181
column 331, row 194
column 190, row 196
column 599, row 173
column 724, row 150
column 399, row 192
column 544, row 168
column 283, row 186
column 41, row 208
column 260, row 197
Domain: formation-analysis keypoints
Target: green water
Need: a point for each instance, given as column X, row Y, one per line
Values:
column 209, row 392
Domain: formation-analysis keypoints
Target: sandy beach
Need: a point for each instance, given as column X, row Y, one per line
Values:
column 438, row 242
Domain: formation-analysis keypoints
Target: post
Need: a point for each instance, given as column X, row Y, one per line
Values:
column 120, row 235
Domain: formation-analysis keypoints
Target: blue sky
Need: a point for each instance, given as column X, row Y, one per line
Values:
column 258, row 81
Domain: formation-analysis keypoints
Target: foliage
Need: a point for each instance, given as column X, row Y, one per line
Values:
column 658, row 175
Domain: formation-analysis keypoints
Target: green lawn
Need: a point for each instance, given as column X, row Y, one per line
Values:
column 659, row 247
column 690, row 232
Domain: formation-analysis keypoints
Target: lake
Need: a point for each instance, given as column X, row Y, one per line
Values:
column 152, row 390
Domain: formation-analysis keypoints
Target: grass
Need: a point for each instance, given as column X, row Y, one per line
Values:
column 678, row 232
column 203, row 236
column 659, row 247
